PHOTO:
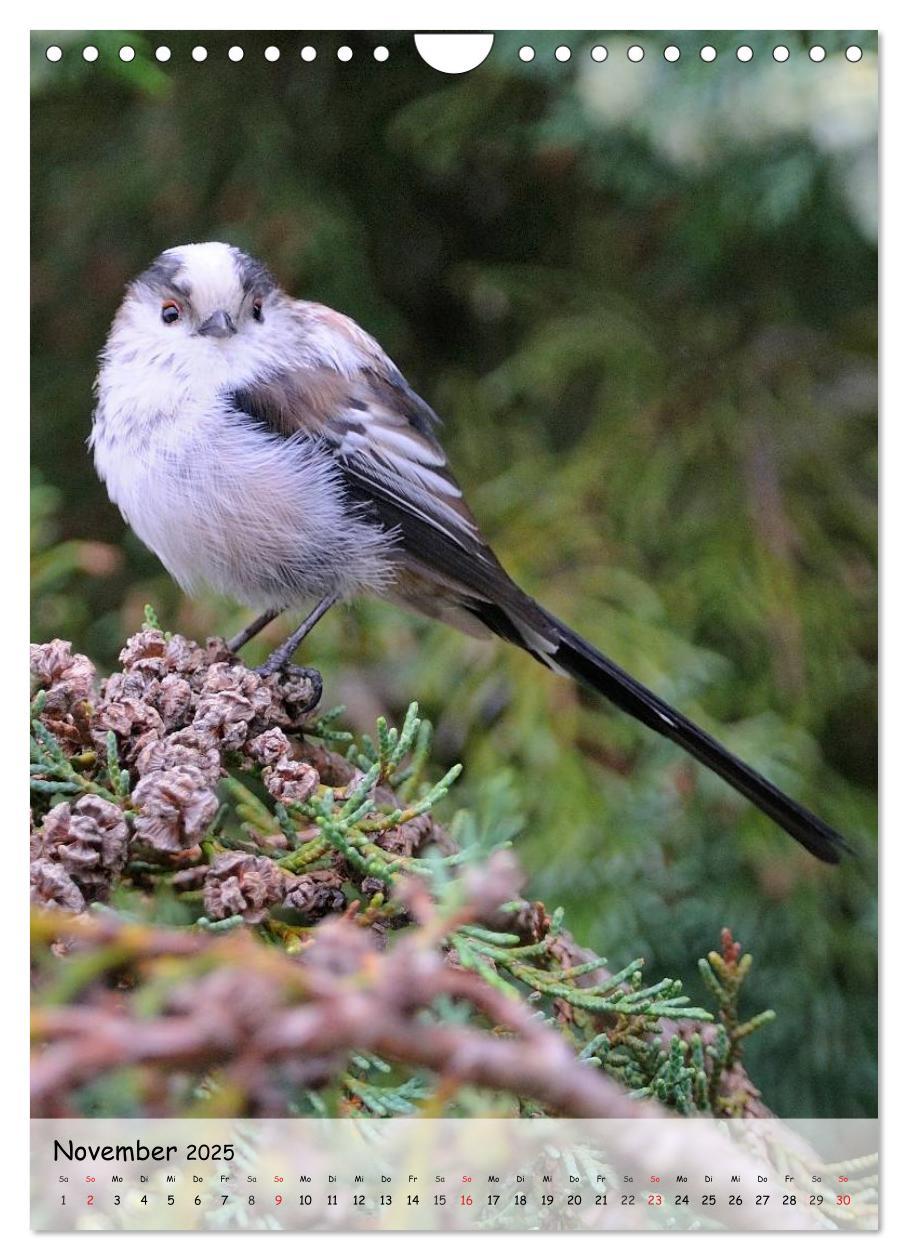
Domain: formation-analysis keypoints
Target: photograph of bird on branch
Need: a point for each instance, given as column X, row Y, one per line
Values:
column 454, row 571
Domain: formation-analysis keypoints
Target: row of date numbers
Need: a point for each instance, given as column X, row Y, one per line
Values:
column 491, row 1200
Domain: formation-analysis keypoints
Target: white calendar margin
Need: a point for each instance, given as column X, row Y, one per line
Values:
column 469, row 15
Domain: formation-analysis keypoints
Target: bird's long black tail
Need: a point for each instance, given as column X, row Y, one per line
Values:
column 587, row 665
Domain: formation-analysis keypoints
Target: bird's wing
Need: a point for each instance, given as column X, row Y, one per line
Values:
column 383, row 439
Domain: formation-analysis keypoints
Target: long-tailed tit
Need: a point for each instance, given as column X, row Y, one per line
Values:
column 269, row 449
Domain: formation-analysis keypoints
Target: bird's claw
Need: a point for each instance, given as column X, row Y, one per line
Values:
column 301, row 688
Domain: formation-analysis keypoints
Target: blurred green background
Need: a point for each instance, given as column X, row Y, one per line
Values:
column 643, row 298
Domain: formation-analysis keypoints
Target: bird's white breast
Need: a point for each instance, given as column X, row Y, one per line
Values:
column 223, row 503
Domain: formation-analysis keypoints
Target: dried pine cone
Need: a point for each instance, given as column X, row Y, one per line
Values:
column 269, row 747
column 51, row 886
column 152, row 652
column 223, row 676
column 177, row 807
column 172, row 697
column 226, row 715
column 316, row 894
column 66, row 678
column 145, row 651
column 238, row 883
column 183, row 656
column 410, row 837
column 232, row 698
column 289, row 781
column 67, row 681
column 89, row 839
column 129, row 718
column 191, row 746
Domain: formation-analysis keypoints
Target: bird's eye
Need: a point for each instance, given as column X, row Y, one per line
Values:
column 170, row 312
column 257, row 311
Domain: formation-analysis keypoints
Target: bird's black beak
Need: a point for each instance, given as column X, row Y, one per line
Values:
column 218, row 325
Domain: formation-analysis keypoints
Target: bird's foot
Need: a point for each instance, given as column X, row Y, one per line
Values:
column 301, row 688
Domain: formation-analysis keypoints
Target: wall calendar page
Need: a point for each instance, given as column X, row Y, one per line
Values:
column 453, row 669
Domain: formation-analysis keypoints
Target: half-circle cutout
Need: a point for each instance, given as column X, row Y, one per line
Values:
column 454, row 54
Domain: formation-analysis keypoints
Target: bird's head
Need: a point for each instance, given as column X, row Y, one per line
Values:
column 211, row 296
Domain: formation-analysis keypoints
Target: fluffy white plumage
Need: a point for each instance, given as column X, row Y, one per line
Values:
column 223, row 503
